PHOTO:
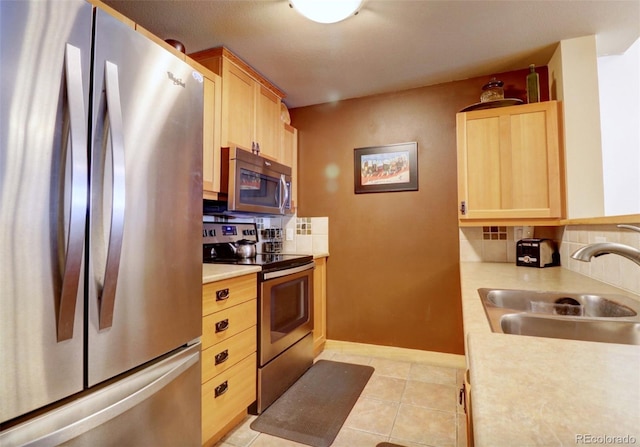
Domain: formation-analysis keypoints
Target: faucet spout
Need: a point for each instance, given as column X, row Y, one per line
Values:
column 593, row 250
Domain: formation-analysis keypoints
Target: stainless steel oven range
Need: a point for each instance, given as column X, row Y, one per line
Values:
column 285, row 306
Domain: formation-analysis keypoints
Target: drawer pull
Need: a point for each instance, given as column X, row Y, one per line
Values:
column 222, row 295
column 222, row 357
column 222, row 325
column 221, row 389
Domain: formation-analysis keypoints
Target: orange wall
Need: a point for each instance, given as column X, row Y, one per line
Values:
column 393, row 273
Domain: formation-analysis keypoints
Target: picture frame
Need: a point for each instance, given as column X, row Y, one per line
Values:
column 390, row 168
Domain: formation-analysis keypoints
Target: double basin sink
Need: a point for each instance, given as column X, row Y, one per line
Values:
column 574, row 316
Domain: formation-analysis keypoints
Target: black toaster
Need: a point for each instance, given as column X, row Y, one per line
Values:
column 537, row 253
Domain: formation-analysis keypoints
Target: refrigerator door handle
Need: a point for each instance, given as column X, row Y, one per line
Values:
column 78, row 417
column 114, row 110
column 77, row 143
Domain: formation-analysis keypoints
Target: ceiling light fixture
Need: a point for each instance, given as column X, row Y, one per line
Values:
column 326, row 11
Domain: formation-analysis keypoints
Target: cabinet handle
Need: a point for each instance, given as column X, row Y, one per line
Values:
column 222, row 357
column 462, row 398
column 222, row 325
column 221, row 389
column 463, row 207
column 258, row 148
column 222, row 295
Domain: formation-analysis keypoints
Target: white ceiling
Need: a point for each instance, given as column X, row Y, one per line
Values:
column 390, row 45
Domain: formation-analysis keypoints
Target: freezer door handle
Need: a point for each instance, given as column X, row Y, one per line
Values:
column 78, row 417
column 77, row 147
column 114, row 110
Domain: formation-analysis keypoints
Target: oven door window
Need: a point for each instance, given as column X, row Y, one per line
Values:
column 289, row 307
column 259, row 189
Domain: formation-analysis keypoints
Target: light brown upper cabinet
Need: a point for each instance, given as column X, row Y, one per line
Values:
column 510, row 163
column 250, row 103
column 211, row 130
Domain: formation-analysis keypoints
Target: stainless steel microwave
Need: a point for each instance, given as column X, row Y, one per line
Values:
column 250, row 183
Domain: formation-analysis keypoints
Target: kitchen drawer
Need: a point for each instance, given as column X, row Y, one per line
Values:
column 222, row 325
column 236, row 389
column 228, row 353
column 220, row 295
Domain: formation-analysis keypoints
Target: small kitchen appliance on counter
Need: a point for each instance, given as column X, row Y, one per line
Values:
column 537, row 253
column 285, row 306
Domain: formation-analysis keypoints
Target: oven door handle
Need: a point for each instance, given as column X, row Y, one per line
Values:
column 289, row 271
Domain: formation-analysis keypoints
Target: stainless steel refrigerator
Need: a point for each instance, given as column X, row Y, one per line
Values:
column 100, row 220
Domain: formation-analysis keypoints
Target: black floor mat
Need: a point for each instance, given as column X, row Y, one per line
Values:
column 314, row 409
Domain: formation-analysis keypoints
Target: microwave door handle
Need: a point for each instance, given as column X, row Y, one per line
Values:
column 287, row 197
column 77, row 141
column 283, row 193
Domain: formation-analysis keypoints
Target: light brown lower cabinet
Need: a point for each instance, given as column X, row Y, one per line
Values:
column 228, row 354
column 319, row 305
column 465, row 400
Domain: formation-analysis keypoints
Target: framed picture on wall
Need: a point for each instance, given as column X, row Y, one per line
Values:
column 389, row 168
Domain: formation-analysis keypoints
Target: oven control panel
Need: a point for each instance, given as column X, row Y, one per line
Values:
column 221, row 232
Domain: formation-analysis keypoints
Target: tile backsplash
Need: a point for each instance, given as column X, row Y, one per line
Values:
column 612, row 269
column 498, row 244
column 305, row 235
column 310, row 235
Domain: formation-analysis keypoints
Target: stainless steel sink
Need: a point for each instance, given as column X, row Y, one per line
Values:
column 607, row 331
column 561, row 303
column 576, row 316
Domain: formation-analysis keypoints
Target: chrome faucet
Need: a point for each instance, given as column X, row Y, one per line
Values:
column 603, row 248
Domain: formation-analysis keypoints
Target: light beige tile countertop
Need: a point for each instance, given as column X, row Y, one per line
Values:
column 218, row 272
column 534, row 391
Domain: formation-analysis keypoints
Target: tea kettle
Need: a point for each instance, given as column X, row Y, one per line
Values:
column 244, row 248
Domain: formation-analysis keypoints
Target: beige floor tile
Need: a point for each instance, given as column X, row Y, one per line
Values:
column 241, row 435
column 265, row 440
column 405, row 443
column 351, row 358
column 373, row 416
column 325, row 355
column 391, row 368
column 425, row 426
column 384, row 388
column 432, row 373
column 349, row 437
column 430, row 395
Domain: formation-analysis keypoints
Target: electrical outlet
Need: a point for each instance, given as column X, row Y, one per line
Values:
column 527, row 232
column 288, row 234
column 517, row 233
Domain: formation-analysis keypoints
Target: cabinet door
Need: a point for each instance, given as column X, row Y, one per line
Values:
column 268, row 124
column 211, row 136
column 509, row 162
column 319, row 305
column 238, row 106
column 289, row 157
